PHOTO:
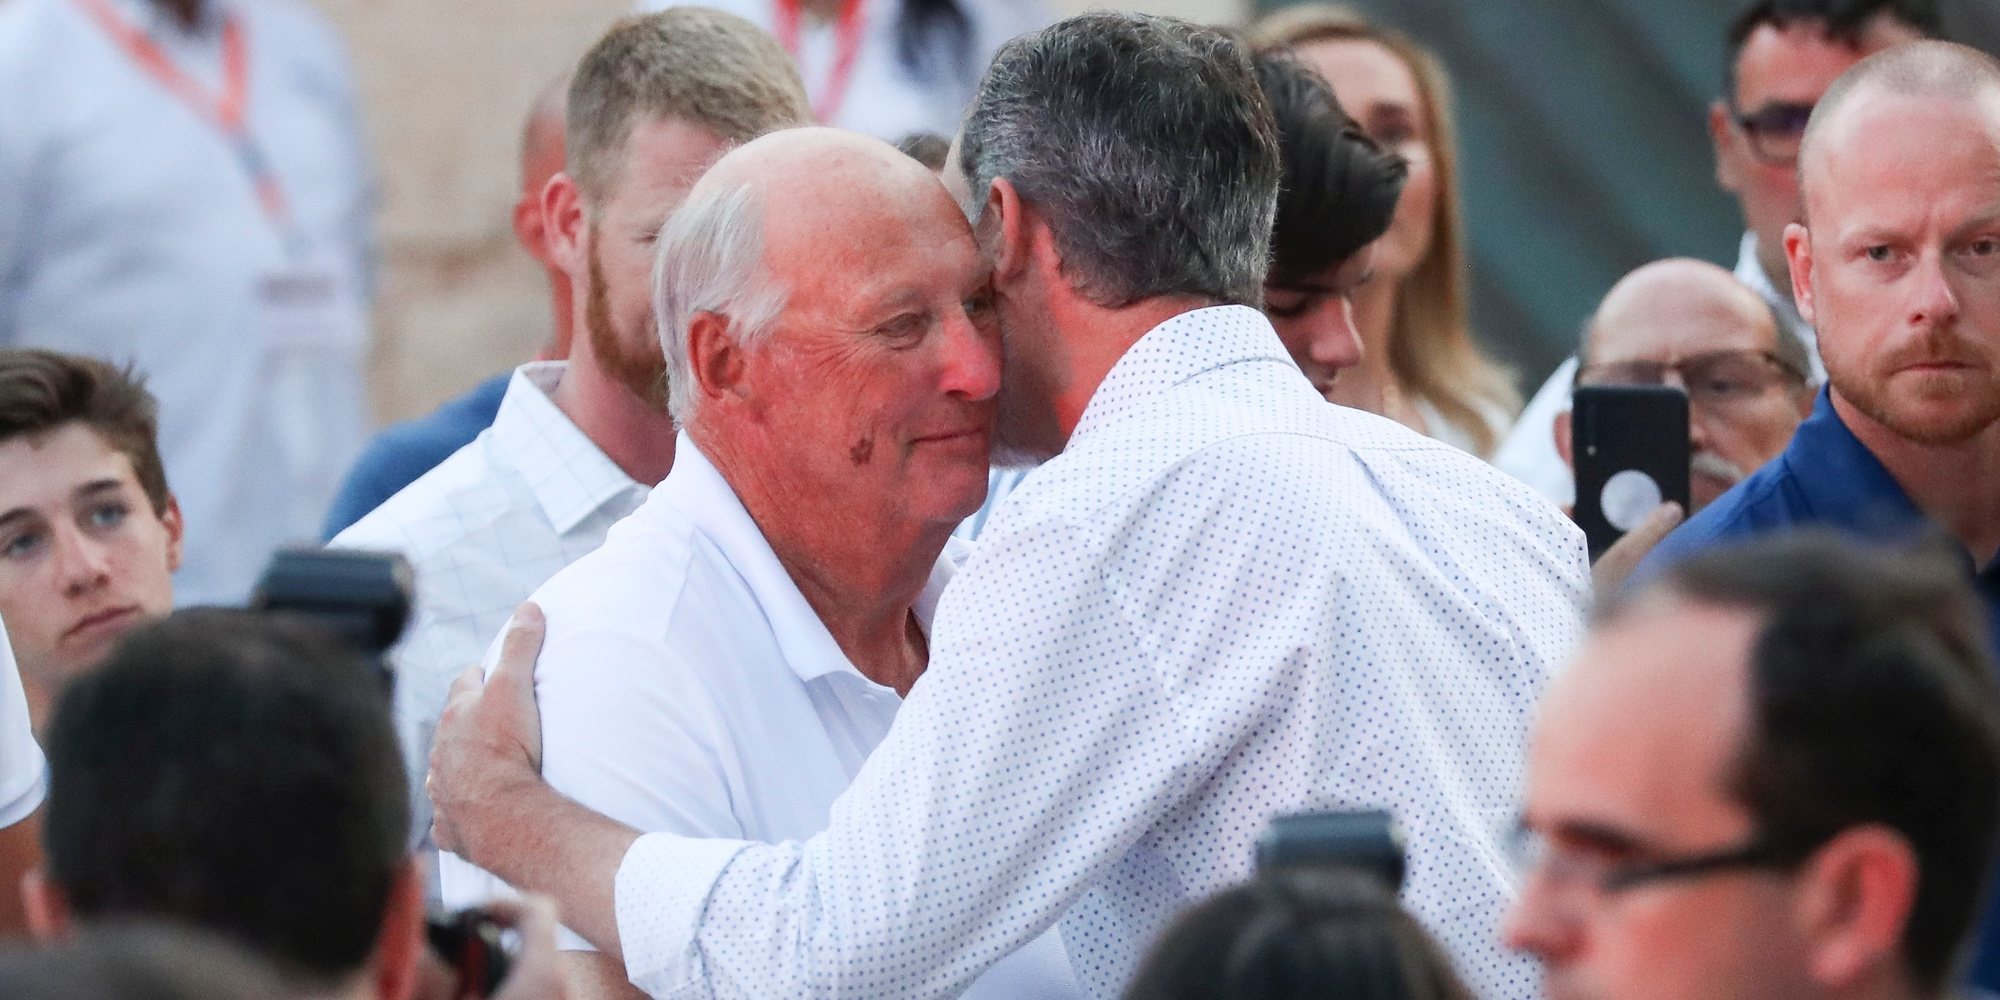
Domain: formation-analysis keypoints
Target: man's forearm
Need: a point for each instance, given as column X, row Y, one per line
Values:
column 540, row 841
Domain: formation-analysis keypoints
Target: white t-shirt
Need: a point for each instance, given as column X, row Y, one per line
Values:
column 685, row 685
column 22, row 774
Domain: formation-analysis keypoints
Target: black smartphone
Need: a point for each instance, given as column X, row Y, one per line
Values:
column 1629, row 444
column 1367, row 841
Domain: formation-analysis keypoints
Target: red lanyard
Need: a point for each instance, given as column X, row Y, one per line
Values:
column 227, row 110
column 848, row 38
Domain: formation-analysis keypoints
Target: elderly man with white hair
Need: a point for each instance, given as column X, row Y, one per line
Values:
column 724, row 664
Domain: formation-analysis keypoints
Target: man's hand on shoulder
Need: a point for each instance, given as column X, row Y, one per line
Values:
column 488, row 748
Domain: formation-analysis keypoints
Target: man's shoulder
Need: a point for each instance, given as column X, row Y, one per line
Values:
column 1765, row 502
column 461, row 497
column 635, row 578
column 402, row 453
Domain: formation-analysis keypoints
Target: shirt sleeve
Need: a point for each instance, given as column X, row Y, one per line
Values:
column 22, row 774
column 1049, row 735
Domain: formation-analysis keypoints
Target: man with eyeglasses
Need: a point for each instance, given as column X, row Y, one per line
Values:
column 1781, row 56
column 1774, row 773
column 1690, row 324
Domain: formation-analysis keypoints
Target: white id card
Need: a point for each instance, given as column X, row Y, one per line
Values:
column 311, row 308
column 315, row 336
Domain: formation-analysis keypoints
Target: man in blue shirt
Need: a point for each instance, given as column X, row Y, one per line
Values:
column 1897, row 265
column 398, row 455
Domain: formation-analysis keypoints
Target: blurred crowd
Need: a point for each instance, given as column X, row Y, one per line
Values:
column 1009, row 509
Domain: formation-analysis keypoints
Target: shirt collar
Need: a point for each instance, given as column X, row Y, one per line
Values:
column 1841, row 480
column 1750, row 271
column 697, row 491
column 1184, row 346
column 570, row 477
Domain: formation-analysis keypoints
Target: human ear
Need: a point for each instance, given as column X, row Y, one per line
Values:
column 1565, row 445
column 563, row 223
column 1724, row 138
column 1855, row 900
column 47, row 907
column 176, row 529
column 1798, row 254
column 401, row 943
column 715, row 359
column 1004, row 230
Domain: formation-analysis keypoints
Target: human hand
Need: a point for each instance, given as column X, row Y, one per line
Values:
column 1612, row 568
column 488, row 742
column 536, row 972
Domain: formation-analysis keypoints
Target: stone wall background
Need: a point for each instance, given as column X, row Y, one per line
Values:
column 446, row 85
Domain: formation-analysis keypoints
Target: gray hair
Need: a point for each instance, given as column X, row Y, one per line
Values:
column 711, row 260
column 1146, row 144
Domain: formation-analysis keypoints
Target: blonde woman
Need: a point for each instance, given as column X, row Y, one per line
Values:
column 1419, row 364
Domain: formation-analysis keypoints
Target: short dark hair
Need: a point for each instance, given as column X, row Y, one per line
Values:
column 1841, row 20
column 1146, row 144
column 136, row 962
column 41, row 391
column 1338, row 189
column 1872, row 702
column 1297, row 934
column 237, row 772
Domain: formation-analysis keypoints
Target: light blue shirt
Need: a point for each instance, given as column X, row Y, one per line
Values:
column 129, row 230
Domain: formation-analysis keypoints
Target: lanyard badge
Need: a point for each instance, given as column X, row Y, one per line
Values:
column 228, row 111
column 847, row 38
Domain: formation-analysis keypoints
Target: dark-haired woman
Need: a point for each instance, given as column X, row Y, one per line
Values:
column 887, row 67
column 1337, row 197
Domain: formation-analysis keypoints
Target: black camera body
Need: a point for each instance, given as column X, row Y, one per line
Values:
column 1369, row 842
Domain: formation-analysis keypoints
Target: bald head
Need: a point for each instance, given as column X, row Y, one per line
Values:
column 1693, row 319
column 542, row 138
column 1649, row 312
column 788, row 215
column 1928, row 69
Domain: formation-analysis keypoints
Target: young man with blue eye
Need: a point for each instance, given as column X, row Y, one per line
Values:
column 89, row 535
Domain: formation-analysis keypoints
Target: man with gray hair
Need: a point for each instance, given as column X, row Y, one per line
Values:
column 1218, row 601
column 725, row 662
column 576, row 444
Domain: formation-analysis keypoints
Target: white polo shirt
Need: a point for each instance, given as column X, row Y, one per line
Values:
column 22, row 774
column 686, row 686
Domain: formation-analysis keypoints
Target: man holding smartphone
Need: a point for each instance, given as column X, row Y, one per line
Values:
column 1691, row 325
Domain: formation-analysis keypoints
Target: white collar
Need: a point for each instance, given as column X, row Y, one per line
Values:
column 569, row 475
column 697, row 491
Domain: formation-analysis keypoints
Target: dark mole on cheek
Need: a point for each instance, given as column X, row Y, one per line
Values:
column 861, row 450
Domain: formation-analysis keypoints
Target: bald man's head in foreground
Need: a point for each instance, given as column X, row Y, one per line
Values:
column 827, row 318
column 1692, row 324
column 1898, row 261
